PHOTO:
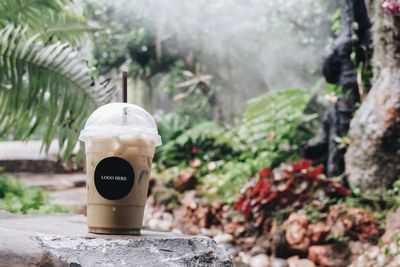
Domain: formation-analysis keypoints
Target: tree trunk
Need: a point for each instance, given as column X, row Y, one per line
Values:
column 372, row 159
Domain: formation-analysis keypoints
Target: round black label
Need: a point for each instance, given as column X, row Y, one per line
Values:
column 113, row 178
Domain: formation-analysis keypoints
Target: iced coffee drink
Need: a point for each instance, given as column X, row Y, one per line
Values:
column 120, row 140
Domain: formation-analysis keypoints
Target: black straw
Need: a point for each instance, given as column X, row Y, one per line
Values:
column 124, row 86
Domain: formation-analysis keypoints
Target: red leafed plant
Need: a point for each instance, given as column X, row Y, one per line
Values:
column 290, row 185
column 391, row 7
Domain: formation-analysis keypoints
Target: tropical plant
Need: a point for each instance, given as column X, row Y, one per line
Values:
column 291, row 185
column 271, row 129
column 275, row 123
column 225, row 182
column 204, row 141
column 63, row 20
column 173, row 124
column 43, row 82
column 15, row 197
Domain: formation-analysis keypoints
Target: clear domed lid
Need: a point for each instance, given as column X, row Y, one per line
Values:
column 120, row 119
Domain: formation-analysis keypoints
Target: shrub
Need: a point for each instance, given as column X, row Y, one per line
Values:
column 291, row 185
column 203, row 141
column 270, row 131
column 17, row 198
column 173, row 124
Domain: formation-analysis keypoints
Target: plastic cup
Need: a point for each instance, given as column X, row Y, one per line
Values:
column 120, row 140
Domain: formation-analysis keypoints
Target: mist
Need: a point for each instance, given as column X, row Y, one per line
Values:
column 248, row 46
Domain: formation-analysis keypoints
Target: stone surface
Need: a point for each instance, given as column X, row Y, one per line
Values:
column 260, row 260
column 335, row 255
column 295, row 261
column 72, row 197
column 53, row 182
column 392, row 226
column 257, row 250
column 277, row 262
column 20, row 156
column 62, row 240
column 20, row 150
column 223, row 238
column 68, row 190
column 230, row 249
column 372, row 157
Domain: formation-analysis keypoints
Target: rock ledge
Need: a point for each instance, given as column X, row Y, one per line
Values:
column 62, row 240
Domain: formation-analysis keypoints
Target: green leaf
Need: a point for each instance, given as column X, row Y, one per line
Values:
column 49, row 85
column 272, row 116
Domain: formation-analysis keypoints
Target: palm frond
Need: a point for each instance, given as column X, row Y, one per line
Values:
column 18, row 11
column 49, row 85
column 55, row 20
column 67, row 26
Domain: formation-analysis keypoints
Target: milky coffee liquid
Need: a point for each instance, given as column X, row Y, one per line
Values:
column 118, row 171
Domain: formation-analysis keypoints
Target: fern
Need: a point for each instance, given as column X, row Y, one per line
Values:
column 204, row 141
column 267, row 135
column 45, row 84
column 272, row 117
column 173, row 125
